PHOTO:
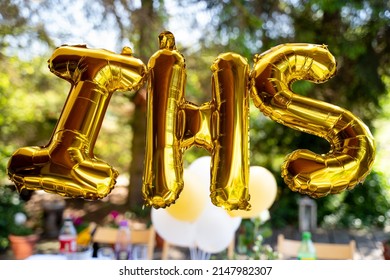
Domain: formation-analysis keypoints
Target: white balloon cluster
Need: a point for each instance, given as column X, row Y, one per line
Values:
column 194, row 222
column 212, row 232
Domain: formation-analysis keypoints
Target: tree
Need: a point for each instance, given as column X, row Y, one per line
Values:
column 146, row 22
column 16, row 23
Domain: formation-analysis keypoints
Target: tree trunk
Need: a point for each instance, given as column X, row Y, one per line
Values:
column 138, row 124
column 147, row 22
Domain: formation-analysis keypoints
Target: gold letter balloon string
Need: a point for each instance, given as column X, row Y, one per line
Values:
column 67, row 166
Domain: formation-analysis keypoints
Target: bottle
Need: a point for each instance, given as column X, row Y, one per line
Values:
column 122, row 244
column 67, row 238
column 307, row 250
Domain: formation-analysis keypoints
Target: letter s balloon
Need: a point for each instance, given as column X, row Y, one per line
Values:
column 352, row 146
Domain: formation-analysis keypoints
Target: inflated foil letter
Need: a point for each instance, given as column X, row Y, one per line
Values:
column 67, row 166
column 174, row 124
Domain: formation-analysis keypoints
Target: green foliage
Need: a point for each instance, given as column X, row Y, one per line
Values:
column 284, row 211
column 11, row 205
column 263, row 251
column 250, row 237
column 366, row 205
column 353, row 31
column 30, row 103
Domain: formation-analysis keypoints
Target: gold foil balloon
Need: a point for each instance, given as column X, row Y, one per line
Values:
column 352, row 146
column 230, row 126
column 173, row 125
column 263, row 190
column 67, row 165
column 163, row 170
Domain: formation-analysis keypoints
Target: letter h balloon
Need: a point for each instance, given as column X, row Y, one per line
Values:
column 67, row 165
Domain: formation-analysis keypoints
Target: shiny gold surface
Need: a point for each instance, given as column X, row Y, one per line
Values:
column 174, row 124
column 67, row 165
column 352, row 146
column 163, row 169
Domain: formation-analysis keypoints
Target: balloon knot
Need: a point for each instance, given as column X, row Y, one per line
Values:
column 167, row 41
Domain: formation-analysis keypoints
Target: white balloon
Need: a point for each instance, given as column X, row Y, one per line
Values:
column 264, row 216
column 202, row 163
column 262, row 188
column 174, row 231
column 192, row 199
column 201, row 170
column 213, row 230
column 235, row 222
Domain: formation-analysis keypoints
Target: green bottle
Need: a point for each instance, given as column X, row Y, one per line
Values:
column 306, row 250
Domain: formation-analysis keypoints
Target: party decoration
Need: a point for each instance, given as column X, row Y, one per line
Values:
column 211, row 231
column 230, row 128
column 67, row 165
column 192, row 200
column 263, row 188
column 163, row 170
column 173, row 125
column 172, row 230
column 214, row 230
column 352, row 146
column 200, row 169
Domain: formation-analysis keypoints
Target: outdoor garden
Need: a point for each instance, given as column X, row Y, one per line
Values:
column 35, row 105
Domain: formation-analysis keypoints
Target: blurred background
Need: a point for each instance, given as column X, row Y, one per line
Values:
column 357, row 32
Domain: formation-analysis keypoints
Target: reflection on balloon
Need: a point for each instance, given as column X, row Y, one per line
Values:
column 67, row 165
column 352, row 146
column 263, row 189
